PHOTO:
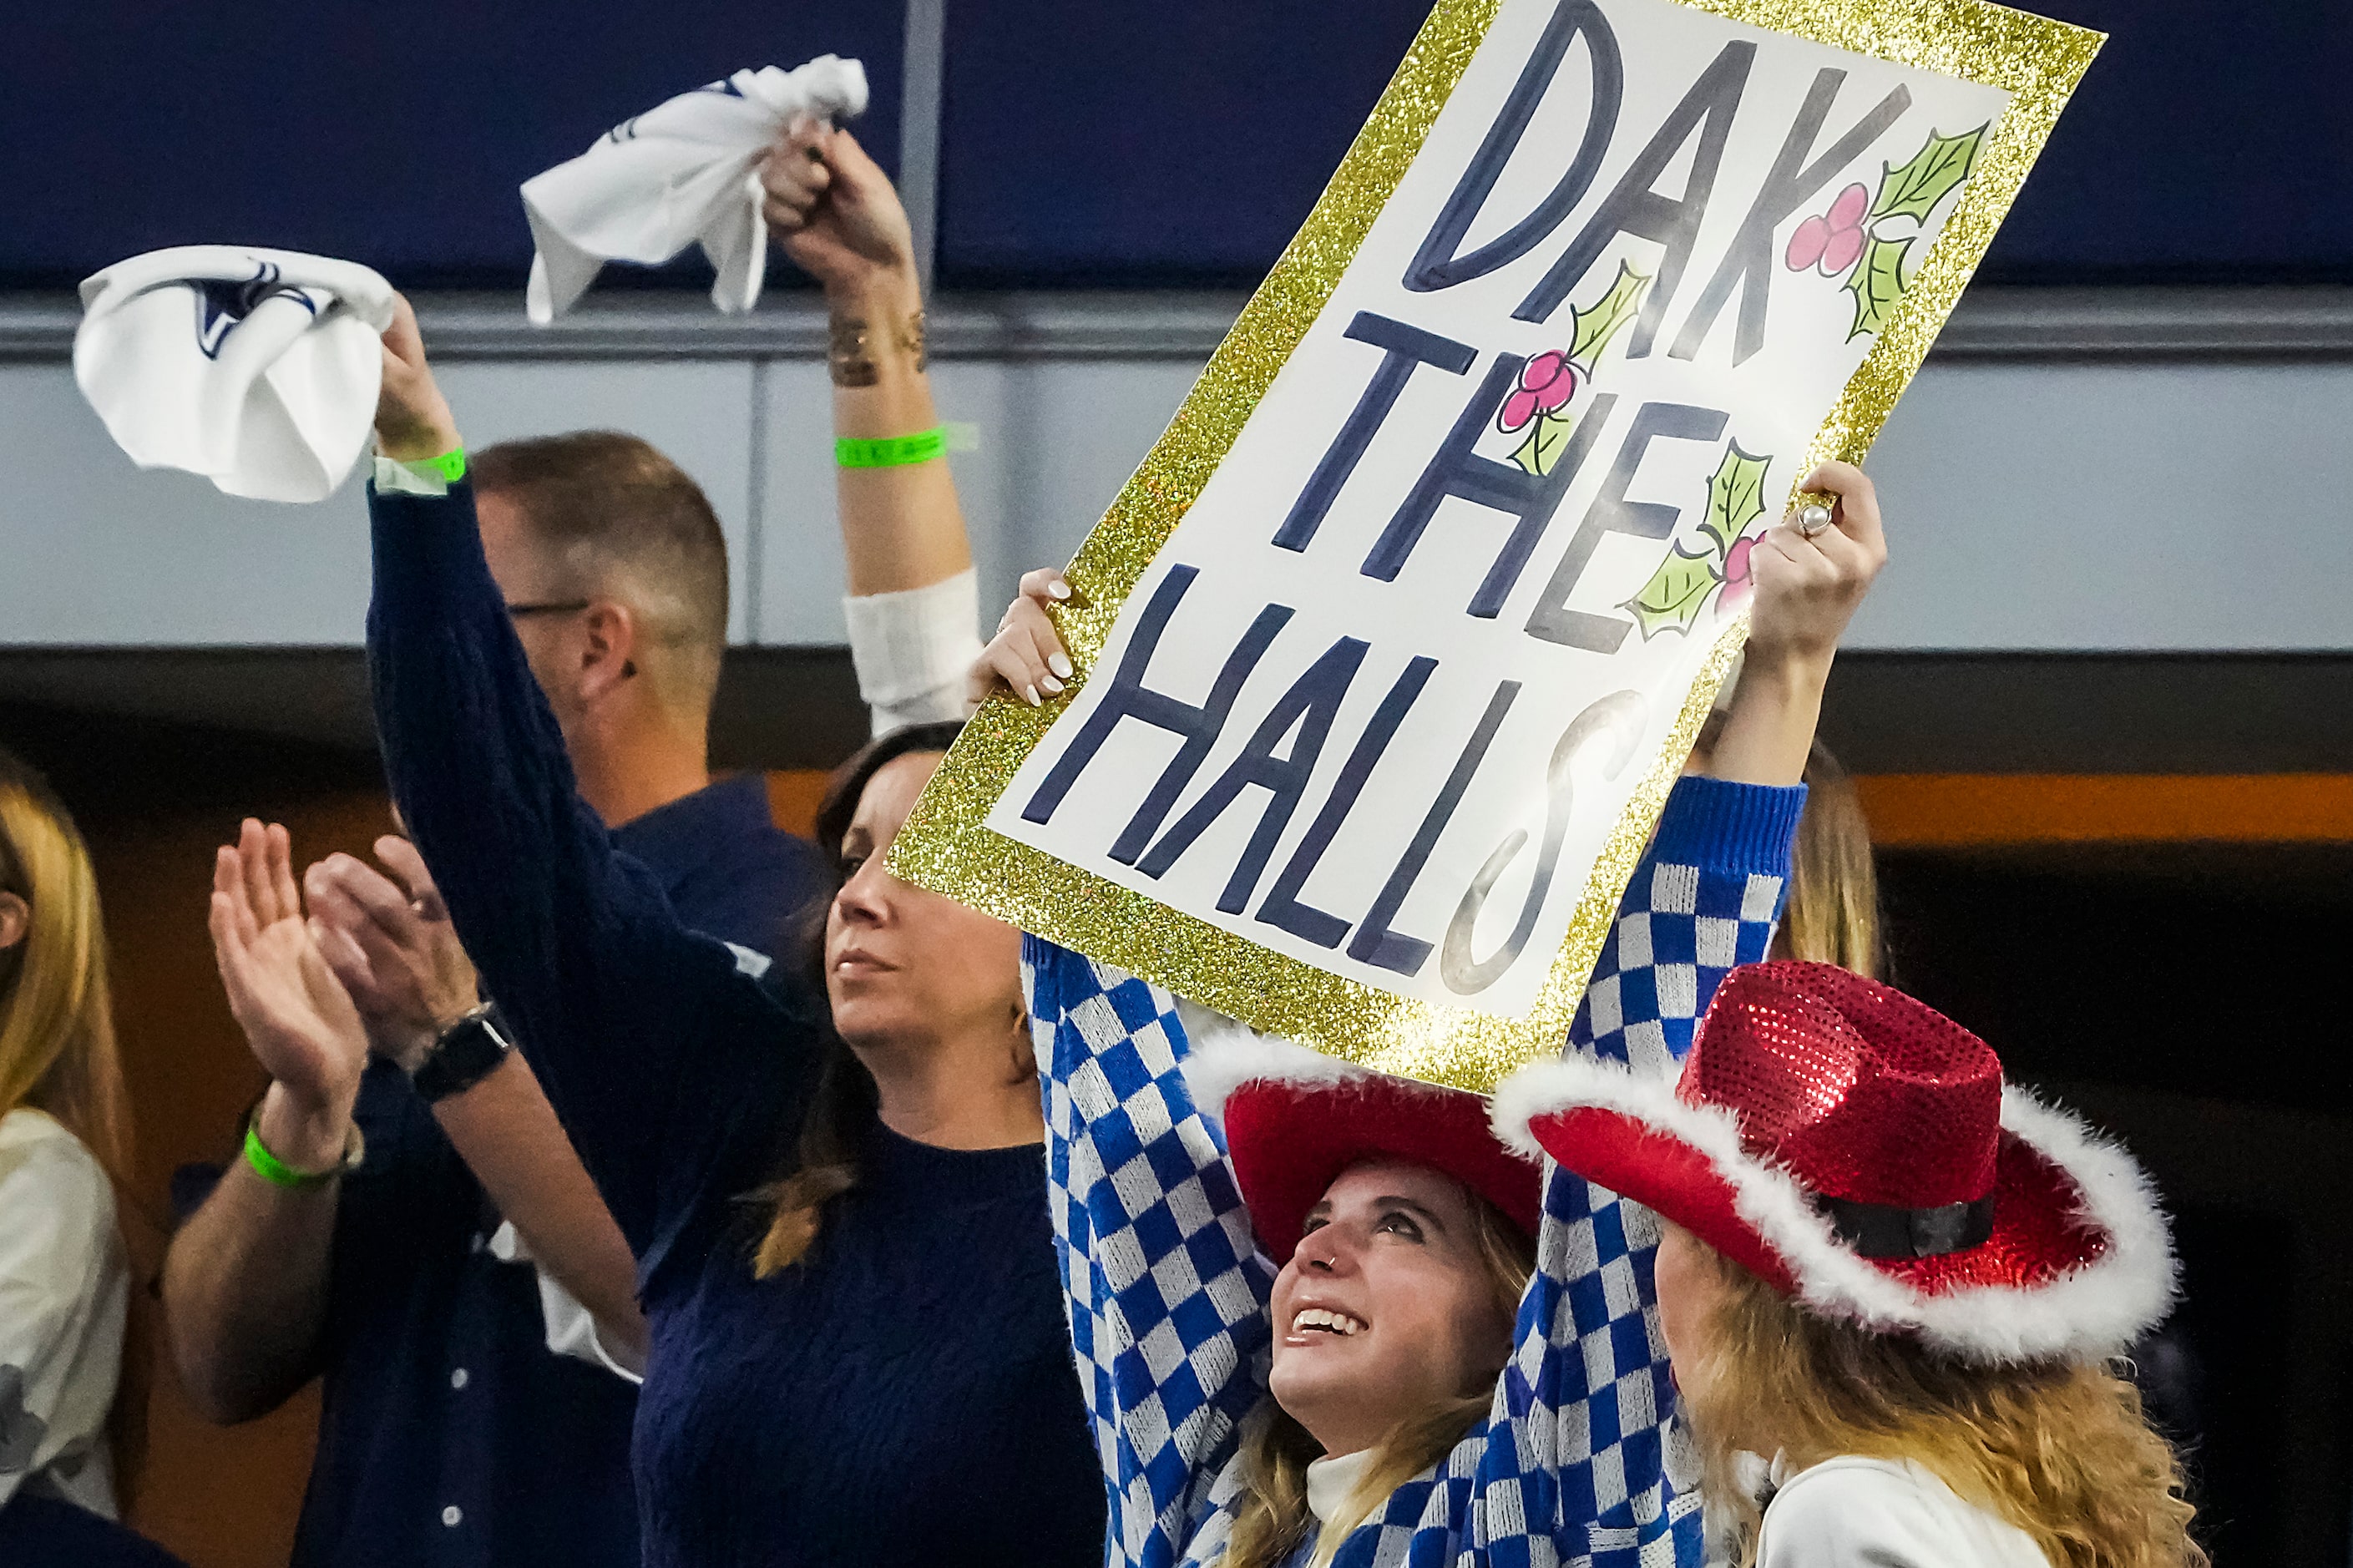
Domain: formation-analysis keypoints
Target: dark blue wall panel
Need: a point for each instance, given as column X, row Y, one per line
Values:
column 1123, row 144
column 392, row 135
column 1131, row 143
column 1085, row 142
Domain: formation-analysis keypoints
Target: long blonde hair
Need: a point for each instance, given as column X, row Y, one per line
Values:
column 58, row 1051
column 1272, row 1518
column 1832, row 916
column 1832, row 913
column 2059, row 1448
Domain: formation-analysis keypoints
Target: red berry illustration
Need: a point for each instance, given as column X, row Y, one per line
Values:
column 1547, row 381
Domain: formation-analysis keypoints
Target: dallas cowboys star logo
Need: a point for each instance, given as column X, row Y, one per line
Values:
column 221, row 306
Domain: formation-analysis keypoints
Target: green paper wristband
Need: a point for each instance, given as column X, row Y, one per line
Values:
column 277, row 1171
column 451, row 464
column 891, row 451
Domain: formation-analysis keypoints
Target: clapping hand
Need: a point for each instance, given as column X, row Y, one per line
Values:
column 295, row 1015
column 388, row 939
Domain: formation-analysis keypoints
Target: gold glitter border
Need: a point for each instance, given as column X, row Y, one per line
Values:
column 945, row 845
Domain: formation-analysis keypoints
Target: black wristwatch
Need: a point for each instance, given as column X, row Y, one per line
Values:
column 468, row 1051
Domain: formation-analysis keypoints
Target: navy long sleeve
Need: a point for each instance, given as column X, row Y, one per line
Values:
column 905, row 1393
column 670, row 1066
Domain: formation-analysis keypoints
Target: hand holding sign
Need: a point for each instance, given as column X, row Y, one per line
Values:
column 1027, row 653
column 1807, row 590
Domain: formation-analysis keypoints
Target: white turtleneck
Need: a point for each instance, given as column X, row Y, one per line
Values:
column 1329, row 1482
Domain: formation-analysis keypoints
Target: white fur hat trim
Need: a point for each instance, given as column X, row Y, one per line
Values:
column 2096, row 1309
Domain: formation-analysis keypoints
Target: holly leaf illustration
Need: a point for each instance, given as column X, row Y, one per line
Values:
column 1914, row 190
column 1735, row 497
column 1598, row 323
column 1548, row 435
column 1877, row 283
column 1677, row 591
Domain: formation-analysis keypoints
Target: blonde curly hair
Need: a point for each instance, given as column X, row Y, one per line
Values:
column 2059, row 1448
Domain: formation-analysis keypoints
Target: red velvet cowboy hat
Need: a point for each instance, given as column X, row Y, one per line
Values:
column 1858, row 1151
column 1295, row 1119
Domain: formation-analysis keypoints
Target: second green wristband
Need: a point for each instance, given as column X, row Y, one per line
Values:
column 891, row 451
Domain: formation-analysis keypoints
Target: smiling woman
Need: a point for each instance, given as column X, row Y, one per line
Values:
column 1459, row 1370
column 1391, row 1322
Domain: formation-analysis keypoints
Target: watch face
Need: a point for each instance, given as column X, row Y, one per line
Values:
column 469, row 1052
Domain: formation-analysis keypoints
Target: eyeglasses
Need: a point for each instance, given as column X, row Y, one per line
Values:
column 553, row 607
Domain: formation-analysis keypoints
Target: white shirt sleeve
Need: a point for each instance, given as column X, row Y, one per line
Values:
column 64, row 1291
column 394, row 478
column 1853, row 1512
column 571, row 1328
column 913, row 650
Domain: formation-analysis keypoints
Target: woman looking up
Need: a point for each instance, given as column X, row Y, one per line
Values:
column 857, row 1353
column 1900, row 1279
column 1355, row 1328
column 65, row 1133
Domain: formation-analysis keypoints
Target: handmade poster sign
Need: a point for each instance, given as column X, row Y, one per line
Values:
column 1391, row 649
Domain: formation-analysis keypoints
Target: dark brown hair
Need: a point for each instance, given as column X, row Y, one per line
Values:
column 622, row 519
column 825, row 1163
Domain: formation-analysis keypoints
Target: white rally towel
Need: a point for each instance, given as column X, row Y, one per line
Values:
column 257, row 369
column 684, row 172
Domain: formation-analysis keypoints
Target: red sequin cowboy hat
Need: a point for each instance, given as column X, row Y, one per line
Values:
column 1295, row 1119
column 1859, row 1151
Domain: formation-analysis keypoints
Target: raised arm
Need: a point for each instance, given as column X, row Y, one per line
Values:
column 912, row 607
column 1168, row 1289
column 1587, row 1395
column 1167, row 1292
column 656, row 1047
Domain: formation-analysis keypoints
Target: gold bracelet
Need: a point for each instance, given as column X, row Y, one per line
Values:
column 911, row 338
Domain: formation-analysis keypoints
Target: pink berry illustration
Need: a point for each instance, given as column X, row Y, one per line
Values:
column 1735, row 568
column 1833, row 240
column 1848, row 210
column 1806, row 246
column 1547, row 381
column 1845, row 244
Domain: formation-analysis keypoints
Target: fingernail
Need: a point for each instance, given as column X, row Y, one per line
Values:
column 1053, row 688
column 1030, row 692
column 1060, row 664
column 1058, row 589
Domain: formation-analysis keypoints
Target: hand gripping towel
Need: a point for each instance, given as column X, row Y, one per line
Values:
column 685, row 172
column 257, row 369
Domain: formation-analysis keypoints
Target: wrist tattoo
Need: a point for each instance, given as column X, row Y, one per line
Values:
column 846, row 354
column 850, row 348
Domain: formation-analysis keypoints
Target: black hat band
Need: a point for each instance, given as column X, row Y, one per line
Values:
column 1883, row 1230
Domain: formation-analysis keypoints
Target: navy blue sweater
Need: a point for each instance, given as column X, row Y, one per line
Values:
column 904, row 1395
